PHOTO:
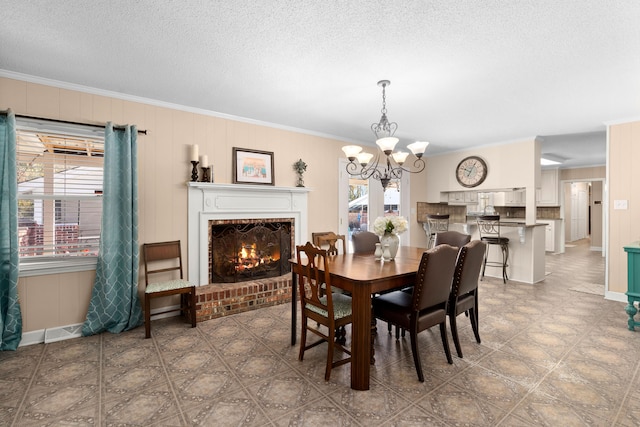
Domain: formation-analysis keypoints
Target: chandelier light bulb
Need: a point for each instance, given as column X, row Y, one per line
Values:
column 351, row 151
column 400, row 157
column 387, row 144
column 418, row 148
column 364, row 158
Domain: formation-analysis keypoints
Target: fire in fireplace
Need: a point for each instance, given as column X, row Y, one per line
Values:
column 249, row 249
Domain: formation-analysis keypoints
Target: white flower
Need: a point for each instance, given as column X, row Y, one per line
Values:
column 390, row 224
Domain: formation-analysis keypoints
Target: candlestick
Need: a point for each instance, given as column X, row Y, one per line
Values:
column 194, row 171
column 205, row 174
column 194, row 153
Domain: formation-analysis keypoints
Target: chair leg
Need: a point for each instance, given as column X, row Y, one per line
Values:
column 454, row 333
column 484, row 263
column 303, row 338
column 416, row 357
column 474, row 324
column 327, row 370
column 505, row 260
column 147, row 317
column 445, row 341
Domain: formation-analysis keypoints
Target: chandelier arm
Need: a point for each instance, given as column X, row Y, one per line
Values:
column 419, row 164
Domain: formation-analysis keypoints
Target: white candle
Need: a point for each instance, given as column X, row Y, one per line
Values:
column 194, row 153
column 204, row 161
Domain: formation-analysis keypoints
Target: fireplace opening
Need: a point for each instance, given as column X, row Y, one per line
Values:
column 244, row 250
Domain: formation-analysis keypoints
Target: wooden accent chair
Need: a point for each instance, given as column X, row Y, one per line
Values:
column 320, row 304
column 163, row 260
column 427, row 305
column 330, row 238
column 464, row 290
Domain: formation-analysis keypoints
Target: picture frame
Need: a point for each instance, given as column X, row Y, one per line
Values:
column 252, row 166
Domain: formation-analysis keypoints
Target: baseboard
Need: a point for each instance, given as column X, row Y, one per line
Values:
column 615, row 296
column 61, row 333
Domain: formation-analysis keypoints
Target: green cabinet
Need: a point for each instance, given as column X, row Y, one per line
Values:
column 633, row 282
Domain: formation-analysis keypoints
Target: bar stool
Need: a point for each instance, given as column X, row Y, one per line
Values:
column 489, row 229
column 436, row 223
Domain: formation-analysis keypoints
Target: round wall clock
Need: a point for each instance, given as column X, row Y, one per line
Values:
column 471, row 171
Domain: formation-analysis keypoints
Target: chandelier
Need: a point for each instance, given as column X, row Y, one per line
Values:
column 390, row 166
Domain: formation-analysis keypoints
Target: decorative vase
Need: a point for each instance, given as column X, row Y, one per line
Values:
column 378, row 252
column 393, row 241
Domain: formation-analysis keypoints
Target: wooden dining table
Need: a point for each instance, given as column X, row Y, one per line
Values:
column 362, row 276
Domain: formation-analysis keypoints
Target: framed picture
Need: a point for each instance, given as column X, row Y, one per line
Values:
column 252, row 166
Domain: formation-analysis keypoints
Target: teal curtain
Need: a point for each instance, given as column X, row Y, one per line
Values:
column 115, row 305
column 10, row 315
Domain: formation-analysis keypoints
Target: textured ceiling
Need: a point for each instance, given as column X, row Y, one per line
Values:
column 463, row 73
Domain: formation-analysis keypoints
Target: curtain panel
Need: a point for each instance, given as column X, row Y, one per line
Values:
column 115, row 304
column 10, row 315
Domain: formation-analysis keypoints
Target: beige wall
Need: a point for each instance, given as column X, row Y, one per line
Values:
column 624, row 183
column 163, row 154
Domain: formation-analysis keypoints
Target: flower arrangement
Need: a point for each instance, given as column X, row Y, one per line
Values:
column 389, row 225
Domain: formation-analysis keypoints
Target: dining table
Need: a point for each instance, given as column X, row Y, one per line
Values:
column 362, row 276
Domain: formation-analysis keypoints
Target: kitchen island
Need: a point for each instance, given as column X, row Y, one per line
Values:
column 526, row 248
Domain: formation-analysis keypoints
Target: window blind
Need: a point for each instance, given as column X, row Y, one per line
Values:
column 60, row 175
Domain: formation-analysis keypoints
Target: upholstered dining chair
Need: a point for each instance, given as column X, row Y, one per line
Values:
column 320, row 304
column 464, row 289
column 453, row 238
column 331, row 239
column 364, row 242
column 427, row 305
column 162, row 263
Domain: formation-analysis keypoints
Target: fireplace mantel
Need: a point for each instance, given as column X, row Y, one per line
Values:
column 209, row 201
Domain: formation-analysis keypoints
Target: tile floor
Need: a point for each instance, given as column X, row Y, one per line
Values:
column 550, row 356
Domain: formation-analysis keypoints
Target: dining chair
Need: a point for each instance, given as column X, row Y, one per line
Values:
column 489, row 230
column 464, row 289
column 436, row 223
column 320, row 304
column 453, row 238
column 427, row 305
column 364, row 242
column 162, row 263
column 330, row 239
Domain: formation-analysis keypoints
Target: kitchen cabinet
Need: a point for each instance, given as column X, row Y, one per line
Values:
column 547, row 194
column 463, row 198
column 509, row 198
column 471, row 197
column 550, row 244
column 456, row 197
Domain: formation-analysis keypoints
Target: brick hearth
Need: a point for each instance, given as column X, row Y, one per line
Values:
column 221, row 299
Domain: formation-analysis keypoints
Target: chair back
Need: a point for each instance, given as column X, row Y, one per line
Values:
column 468, row 268
column 438, row 223
column 364, row 242
column 153, row 255
column 433, row 284
column 330, row 239
column 314, row 279
column 453, row 238
column 489, row 226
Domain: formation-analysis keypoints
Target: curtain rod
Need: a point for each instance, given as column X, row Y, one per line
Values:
column 144, row 132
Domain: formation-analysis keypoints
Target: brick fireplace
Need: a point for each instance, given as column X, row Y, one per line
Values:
column 215, row 204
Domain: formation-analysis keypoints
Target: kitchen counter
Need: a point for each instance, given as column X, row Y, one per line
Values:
column 526, row 248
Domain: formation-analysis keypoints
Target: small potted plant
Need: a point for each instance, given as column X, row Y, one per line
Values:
column 300, row 167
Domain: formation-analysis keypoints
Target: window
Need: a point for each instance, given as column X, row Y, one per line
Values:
column 60, row 173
